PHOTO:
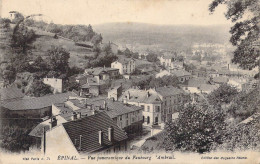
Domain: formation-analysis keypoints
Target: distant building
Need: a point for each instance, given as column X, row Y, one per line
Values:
column 115, row 92
column 150, row 103
column 103, row 73
column 125, row 65
column 172, row 100
column 37, row 107
column 95, row 134
column 163, row 73
column 55, row 83
column 158, row 104
column 182, row 75
column 12, row 15
column 166, row 61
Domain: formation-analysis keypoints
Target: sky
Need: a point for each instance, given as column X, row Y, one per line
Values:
column 163, row 12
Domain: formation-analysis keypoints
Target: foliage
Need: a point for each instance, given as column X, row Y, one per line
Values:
column 39, row 89
column 152, row 57
column 15, row 139
column 189, row 67
column 128, row 53
column 246, row 30
column 58, row 60
column 195, row 130
column 153, row 82
column 223, row 95
column 22, row 38
column 244, row 136
column 104, row 61
column 69, row 86
column 245, row 104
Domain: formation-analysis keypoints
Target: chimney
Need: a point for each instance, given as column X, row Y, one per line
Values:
column 94, row 112
column 100, row 137
column 80, row 138
column 43, row 146
column 148, row 94
column 53, row 122
column 74, row 116
column 79, row 115
column 105, row 105
column 111, row 134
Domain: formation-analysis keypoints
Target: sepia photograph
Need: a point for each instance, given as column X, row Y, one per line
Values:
column 130, row 81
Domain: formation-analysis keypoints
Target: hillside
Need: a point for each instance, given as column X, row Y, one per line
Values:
column 178, row 37
column 45, row 40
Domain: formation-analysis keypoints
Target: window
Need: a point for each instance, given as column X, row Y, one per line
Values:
column 120, row 118
column 126, row 122
column 127, row 115
column 157, row 108
column 148, row 108
column 165, row 102
column 142, row 106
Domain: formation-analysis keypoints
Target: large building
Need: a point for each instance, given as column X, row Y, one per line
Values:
column 125, row 65
column 95, row 134
column 150, row 103
column 32, row 107
column 158, row 104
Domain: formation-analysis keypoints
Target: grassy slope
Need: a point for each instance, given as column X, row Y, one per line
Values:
column 45, row 40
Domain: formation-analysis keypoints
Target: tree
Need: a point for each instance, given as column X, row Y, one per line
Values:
column 22, row 38
column 97, row 39
column 246, row 31
column 58, row 59
column 196, row 129
column 223, row 95
column 38, row 89
column 151, row 57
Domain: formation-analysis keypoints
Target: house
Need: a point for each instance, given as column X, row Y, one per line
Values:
column 125, row 65
column 150, row 103
column 33, row 107
column 163, row 73
column 182, row 75
column 166, row 60
column 172, row 100
column 37, row 132
column 95, row 134
column 82, row 78
column 55, row 83
column 103, row 73
column 127, row 117
column 91, row 88
column 115, row 92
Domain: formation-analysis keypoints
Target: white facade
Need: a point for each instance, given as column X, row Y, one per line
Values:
column 119, row 66
column 55, row 83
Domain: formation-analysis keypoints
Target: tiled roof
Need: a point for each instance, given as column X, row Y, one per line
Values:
column 180, row 73
column 220, row 79
column 115, row 108
column 141, row 96
column 10, row 93
column 125, row 60
column 88, row 127
column 38, row 130
column 196, row 82
column 99, row 70
column 37, row 102
column 168, row 91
